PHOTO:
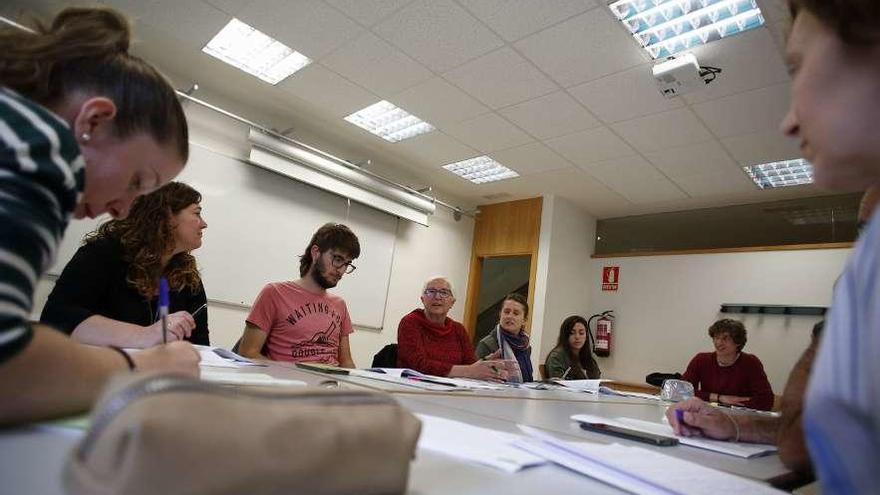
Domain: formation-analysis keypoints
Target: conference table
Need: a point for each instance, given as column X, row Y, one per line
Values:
column 32, row 457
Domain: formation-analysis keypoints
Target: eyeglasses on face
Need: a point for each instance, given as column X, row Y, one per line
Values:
column 340, row 261
column 441, row 293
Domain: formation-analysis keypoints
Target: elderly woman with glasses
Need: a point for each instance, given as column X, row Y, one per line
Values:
column 431, row 342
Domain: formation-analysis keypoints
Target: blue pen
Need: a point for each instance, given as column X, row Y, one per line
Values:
column 163, row 308
column 679, row 415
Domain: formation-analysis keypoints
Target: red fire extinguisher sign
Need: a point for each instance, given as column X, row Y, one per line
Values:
column 610, row 277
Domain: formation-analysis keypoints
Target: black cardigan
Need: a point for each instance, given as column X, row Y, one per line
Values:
column 93, row 282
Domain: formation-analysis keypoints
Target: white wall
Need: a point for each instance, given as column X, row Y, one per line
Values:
column 420, row 252
column 564, row 249
column 665, row 305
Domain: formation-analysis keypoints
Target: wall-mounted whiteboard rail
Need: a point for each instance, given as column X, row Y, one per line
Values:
column 258, row 225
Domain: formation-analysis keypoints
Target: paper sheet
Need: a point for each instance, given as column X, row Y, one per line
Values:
column 233, row 378
column 741, row 449
column 589, row 386
column 212, row 358
column 639, row 470
column 474, row 444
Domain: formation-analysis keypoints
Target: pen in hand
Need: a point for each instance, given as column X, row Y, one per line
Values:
column 201, row 308
column 163, row 307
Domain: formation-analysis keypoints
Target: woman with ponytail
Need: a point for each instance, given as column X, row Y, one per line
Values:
column 85, row 127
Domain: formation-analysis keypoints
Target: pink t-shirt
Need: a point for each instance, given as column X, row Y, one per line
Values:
column 300, row 326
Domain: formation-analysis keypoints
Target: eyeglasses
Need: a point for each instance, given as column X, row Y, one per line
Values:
column 340, row 261
column 441, row 293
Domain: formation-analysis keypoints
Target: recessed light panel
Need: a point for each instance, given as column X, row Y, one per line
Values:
column 255, row 52
column 389, row 122
column 666, row 27
column 481, row 170
column 780, row 174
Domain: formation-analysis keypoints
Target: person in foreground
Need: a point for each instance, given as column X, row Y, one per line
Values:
column 728, row 375
column 299, row 321
column 834, row 54
column 786, row 431
column 86, row 127
column 108, row 292
column 509, row 340
column 572, row 358
column 431, row 342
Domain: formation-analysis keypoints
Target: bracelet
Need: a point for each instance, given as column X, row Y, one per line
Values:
column 735, row 425
column 128, row 360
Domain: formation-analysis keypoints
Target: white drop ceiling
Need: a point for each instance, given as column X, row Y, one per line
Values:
column 555, row 90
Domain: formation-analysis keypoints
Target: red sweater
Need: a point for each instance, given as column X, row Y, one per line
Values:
column 431, row 348
column 744, row 378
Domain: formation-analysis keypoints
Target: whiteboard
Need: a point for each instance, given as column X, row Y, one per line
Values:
column 260, row 222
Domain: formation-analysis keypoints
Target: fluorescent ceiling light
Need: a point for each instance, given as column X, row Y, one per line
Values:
column 389, row 122
column 666, row 27
column 254, row 52
column 780, row 174
column 481, row 170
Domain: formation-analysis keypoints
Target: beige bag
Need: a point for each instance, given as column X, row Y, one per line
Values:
column 166, row 434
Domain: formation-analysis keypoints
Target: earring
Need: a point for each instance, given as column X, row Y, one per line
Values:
column 85, row 136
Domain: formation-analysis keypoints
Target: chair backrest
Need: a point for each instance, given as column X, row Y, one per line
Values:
column 386, row 358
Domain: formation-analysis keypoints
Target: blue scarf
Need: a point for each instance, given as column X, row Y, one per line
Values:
column 520, row 345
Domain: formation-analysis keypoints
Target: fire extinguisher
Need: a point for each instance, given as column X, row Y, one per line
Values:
column 604, row 327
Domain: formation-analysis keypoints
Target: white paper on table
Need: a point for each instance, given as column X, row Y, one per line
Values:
column 589, row 386
column 474, row 444
column 211, row 358
column 740, row 449
column 395, row 377
column 639, row 470
column 233, row 378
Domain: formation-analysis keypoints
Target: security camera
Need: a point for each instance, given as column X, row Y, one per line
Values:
column 679, row 75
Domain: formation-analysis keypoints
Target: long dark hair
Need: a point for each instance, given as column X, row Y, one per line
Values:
column 86, row 50
column 585, row 354
column 148, row 233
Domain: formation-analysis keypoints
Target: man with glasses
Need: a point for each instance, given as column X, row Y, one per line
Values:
column 431, row 342
column 299, row 320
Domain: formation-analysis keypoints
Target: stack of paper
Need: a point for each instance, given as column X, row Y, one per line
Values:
column 218, row 357
column 413, row 378
column 639, row 470
column 740, row 449
column 474, row 444
column 261, row 379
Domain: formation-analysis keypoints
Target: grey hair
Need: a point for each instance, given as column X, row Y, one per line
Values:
column 439, row 277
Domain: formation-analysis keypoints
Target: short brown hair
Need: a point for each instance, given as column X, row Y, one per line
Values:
column 856, row 22
column 330, row 236
column 734, row 328
column 517, row 297
column 86, row 49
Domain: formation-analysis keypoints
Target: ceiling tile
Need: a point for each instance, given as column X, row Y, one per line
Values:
column 327, row 90
column 591, row 146
column 549, row 116
column 624, row 96
column 761, row 147
column 753, row 111
column 368, row 12
column 636, row 180
column 193, row 23
column 488, row 133
column 435, row 149
column 583, row 48
column 501, row 78
column 663, row 130
column 376, row 65
column 310, row 27
column 695, row 159
column 438, row 33
column 439, row 102
column 530, row 158
column 716, row 183
column 513, row 19
column 741, row 69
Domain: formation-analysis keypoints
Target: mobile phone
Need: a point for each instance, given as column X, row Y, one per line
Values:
column 629, row 434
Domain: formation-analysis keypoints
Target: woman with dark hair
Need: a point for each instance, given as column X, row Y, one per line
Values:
column 834, row 55
column 108, row 292
column 728, row 375
column 572, row 358
column 86, row 127
column 509, row 340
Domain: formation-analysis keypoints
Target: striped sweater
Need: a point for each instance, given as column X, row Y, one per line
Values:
column 42, row 174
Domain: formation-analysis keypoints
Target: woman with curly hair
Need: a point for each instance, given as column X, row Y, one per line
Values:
column 108, row 293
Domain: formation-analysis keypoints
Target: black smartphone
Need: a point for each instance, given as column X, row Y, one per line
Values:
column 638, row 436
